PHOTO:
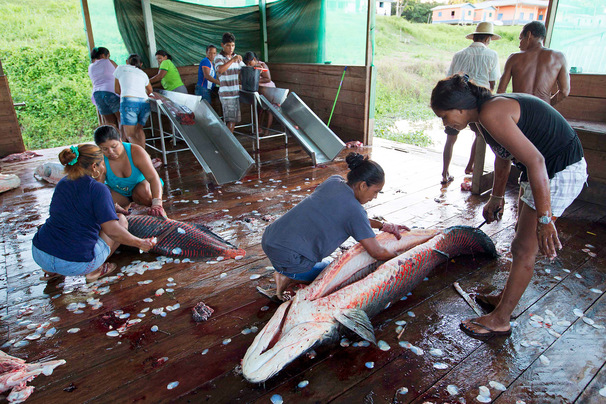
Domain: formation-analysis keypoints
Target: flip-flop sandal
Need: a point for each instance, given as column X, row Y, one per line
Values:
column 482, row 335
column 448, row 180
column 51, row 276
column 106, row 269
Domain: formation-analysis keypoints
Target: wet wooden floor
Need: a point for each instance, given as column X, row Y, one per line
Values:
column 561, row 363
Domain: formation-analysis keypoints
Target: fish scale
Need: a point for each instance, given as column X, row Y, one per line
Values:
column 195, row 241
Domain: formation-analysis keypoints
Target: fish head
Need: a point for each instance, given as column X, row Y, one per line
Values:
column 295, row 328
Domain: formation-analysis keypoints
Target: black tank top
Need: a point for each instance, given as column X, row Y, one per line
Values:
column 547, row 130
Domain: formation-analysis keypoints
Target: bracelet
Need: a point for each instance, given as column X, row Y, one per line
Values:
column 496, row 196
column 157, row 202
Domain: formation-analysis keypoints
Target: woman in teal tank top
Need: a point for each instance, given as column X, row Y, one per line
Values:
column 129, row 174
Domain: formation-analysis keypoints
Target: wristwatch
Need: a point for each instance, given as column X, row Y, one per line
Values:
column 545, row 219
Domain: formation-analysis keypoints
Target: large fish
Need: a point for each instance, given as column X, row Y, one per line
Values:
column 181, row 239
column 334, row 300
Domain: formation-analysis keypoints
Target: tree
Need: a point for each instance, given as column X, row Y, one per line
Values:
column 416, row 11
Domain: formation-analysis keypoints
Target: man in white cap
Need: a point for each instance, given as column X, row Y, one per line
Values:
column 482, row 66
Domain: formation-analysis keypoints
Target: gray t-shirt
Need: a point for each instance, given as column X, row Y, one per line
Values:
column 314, row 228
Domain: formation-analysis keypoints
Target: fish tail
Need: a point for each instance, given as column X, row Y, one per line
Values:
column 466, row 240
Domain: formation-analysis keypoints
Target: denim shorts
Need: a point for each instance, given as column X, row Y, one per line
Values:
column 107, row 103
column 309, row 275
column 134, row 111
column 56, row 265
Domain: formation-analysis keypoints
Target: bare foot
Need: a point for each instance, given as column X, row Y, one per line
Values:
column 282, row 282
column 469, row 170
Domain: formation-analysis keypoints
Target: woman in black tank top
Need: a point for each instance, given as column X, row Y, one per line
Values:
column 528, row 131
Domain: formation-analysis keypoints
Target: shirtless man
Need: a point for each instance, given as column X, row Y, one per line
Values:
column 536, row 70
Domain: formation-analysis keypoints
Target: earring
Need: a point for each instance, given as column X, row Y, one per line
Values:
column 95, row 176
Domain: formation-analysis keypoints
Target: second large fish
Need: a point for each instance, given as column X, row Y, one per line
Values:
column 181, row 239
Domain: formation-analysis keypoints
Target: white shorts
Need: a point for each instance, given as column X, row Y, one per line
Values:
column 564, row 188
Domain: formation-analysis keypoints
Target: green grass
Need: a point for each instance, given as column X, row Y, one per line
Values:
column 44, row 55
column 410, row 59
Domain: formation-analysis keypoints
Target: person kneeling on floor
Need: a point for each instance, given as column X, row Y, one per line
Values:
column 298, row 243
column 83, row 229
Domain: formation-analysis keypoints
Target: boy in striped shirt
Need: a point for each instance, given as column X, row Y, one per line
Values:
column 228, row 66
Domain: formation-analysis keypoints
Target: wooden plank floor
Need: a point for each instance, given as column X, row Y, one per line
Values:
column 561, row 363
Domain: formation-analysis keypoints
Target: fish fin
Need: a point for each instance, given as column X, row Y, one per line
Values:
column 208, row 231
column 357, row 321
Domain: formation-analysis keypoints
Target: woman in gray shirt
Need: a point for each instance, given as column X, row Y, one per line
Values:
column 297, row 243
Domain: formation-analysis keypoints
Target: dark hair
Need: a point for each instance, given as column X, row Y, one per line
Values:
column 164, row 53
column 457, row 92
column 96, row 52
column 481, row 37
column 134, row 60
column 248, row 56
column 106, row 132
column 537, row 29
column 209, row 47
column 88, row 154
column 363, row 169
column 228, row 37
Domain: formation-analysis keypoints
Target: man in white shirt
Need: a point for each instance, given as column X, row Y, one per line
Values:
column 482, row 66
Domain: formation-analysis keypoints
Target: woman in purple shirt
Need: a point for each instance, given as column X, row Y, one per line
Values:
column 101, row 73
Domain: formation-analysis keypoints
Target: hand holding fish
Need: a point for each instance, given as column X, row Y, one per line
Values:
column 157, row 209
column 147, row 244
column 394, row 229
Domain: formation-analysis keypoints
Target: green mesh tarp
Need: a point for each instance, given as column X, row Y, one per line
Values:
column 295, row 29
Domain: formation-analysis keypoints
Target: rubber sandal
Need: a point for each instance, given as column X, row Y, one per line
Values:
column 448, row 180
column 482, row 335
column 51, row 276
column 106, row 269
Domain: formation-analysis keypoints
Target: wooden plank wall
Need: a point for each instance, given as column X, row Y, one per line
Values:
column 585, row 109
column 317, row 86
column 11, row 140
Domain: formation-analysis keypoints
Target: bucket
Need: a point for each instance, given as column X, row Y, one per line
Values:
column 250, row 78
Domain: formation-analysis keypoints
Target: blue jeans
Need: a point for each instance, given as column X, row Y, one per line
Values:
column 134, row 111
column 204, row 92
column 309, row 275
column 50, row 263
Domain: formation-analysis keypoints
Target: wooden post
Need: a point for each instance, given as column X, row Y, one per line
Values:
column 369, row 116
column 550, row 15
column 88, row 28
column 263, row 18
column 478, row 166
column 148, row 21
column 11, row 140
